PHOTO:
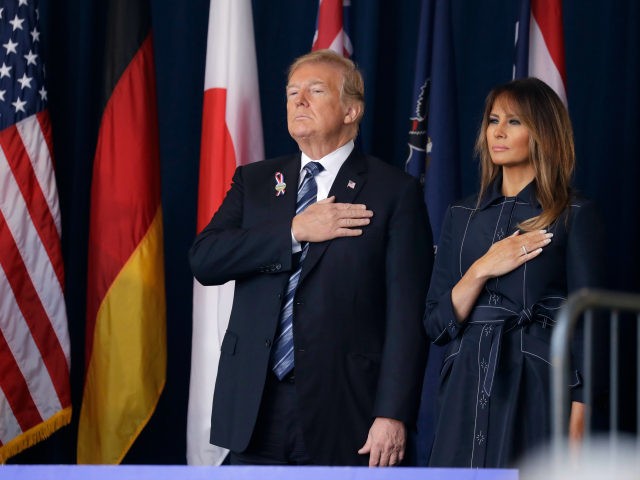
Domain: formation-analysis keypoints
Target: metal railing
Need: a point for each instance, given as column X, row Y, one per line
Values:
column 584, row 303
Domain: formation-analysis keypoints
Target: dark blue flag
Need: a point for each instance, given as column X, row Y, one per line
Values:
column 433, row 157
column 433, row 134
column 521, row 63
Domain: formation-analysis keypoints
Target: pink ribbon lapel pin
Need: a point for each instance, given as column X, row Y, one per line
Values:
column 280, row 185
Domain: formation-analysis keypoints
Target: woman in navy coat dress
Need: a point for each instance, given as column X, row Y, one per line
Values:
column 507, row 259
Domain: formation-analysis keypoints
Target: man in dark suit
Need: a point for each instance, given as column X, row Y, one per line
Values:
column 323, row 359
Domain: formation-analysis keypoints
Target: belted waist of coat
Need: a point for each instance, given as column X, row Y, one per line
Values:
column 499, row 319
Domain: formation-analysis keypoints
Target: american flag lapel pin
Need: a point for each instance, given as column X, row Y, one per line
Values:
column 351, row 184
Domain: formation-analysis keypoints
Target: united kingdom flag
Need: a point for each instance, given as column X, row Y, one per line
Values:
column 331, row 31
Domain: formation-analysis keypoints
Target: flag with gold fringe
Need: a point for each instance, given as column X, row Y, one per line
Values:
column 35, row 395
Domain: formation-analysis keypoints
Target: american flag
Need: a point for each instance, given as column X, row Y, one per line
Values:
column 34, row 341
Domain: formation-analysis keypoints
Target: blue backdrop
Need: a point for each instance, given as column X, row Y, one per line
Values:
column 601, row 39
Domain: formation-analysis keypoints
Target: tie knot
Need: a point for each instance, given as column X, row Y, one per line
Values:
column 313, row 168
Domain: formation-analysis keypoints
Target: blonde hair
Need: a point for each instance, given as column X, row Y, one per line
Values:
column 352, row 88
column 551, row 147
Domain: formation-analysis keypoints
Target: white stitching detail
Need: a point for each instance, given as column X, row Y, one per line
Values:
column 464, row 236
column 527, row 352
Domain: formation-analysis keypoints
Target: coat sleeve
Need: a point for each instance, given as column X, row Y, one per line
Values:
column 234, row 246
column 409, row 260
column 439, row 319
column 585, row 269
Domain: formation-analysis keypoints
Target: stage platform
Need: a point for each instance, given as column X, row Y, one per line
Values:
column 159, row 472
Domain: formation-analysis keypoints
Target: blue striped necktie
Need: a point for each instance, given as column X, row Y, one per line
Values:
column 282, row 353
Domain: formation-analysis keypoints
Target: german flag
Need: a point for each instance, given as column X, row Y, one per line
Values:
column 126, row 313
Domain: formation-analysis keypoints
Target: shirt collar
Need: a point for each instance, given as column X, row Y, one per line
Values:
column 494, row 194
column 333, row 161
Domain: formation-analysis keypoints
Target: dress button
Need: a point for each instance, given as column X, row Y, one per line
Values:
column 267, row 343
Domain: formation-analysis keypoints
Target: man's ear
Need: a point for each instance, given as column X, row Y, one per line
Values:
column 352, row 113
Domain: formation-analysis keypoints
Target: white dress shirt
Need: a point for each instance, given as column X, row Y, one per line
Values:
column 331, row 163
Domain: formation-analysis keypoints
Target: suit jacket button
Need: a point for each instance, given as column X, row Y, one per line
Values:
column 267, row 343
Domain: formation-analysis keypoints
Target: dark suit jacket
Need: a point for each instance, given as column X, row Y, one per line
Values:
column 359, row 343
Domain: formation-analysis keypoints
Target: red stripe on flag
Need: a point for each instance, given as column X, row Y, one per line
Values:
column 34, row 314
column 35, row 200
column 125, row 192
column 217, row 156
column 16, row 390
column 329, row 23
column 45, row 125
column 548, row 16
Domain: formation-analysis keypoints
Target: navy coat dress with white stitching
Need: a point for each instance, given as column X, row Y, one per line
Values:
column 494, row 395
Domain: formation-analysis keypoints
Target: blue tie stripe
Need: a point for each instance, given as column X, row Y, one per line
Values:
column 282, row 354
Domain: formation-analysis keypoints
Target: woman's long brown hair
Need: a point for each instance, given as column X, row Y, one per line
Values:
column 551, row 147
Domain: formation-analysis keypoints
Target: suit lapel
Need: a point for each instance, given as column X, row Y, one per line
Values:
column 349, row 181
column 285, row 205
